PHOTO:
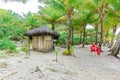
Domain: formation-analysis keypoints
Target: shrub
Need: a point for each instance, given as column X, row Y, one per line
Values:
column 8, row 45
column 62, row 38
column 76, row 39
column 14, row 33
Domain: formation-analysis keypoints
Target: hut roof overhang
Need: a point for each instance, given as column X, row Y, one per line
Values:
column 41, row 31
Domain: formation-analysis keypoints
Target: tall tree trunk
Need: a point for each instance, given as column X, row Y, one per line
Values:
column 80, row 38
column 116, row 48
column 101, row 36
column 72, row 36
column 53, row 26
column 112, row 38
column 96, row 34
column 70, row 28
column 84, row 34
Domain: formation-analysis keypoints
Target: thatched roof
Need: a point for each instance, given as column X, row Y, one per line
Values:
column 40, row 31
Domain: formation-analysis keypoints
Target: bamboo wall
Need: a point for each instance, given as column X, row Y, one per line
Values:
column 42, row 43
column 35, row 42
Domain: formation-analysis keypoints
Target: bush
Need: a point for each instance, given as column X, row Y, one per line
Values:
column 14, row 33
column 8, row 45
column 62, row 38
column 76, row 39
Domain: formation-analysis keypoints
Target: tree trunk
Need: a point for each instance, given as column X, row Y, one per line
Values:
column 72, row 36
column 70, row 28
column 116, row 48
column 80, row 38
column 96, row 34
column 112, row 38
column 53, row 26
column 101, row 36
column 84, row 34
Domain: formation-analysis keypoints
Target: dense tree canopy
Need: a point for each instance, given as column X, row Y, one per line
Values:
column 70, row 18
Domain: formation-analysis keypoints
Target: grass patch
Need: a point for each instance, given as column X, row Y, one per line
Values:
column 52, row 69
column 68, row 72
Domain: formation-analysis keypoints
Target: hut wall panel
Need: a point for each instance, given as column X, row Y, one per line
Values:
column 35, row 42
column 40, row 44
column 47, row 42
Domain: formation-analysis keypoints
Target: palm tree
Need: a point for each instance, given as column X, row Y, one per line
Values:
column 114, row 7
column 9, row 18
column 96, row 33
column 83, row 18
column 116, row 48
column 114, row 16
column 99, row 7
column 51, row 16
column 68, row 7
column 30, row 21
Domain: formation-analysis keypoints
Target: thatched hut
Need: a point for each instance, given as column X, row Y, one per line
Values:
column 42, row 38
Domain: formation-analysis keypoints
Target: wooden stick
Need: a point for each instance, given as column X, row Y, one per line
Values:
column 9, row 74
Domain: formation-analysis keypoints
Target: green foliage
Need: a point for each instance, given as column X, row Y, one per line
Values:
column 67, row 52
column 56, row 52
column 8, row 45
column 63, row 37
column 89, row 40
column 14, row 33
column 71, row 49
column 52, row 69
column 76, row 39
column 26, row 47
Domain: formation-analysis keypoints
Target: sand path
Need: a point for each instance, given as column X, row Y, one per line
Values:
column 40, row 66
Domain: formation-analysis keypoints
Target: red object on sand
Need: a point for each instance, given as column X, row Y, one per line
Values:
column 95, row 48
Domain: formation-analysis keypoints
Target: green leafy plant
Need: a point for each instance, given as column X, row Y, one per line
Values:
column 52, row 69
column 71, row 49
column 62, row 38
column 56, row 52
column 26, row 47
column 69, row 52
column 8, row 45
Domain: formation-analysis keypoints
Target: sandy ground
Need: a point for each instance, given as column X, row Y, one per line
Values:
column 41, row 66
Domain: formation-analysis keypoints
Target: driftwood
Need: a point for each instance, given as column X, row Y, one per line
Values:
column 9, row 74
column 39, row 70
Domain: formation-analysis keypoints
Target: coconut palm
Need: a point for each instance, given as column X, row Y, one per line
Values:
column 68, row 7
column 30, row 20
column 83, row 18
column 99, row 7
column 9, row 18
column 51, row 16
column 114, row 7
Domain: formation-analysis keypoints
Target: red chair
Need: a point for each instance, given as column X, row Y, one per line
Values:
column 95, row 48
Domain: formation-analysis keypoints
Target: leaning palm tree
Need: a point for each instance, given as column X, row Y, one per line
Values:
column 114, row 16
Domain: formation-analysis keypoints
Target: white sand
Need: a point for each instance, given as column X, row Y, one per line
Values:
column 84, row 66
